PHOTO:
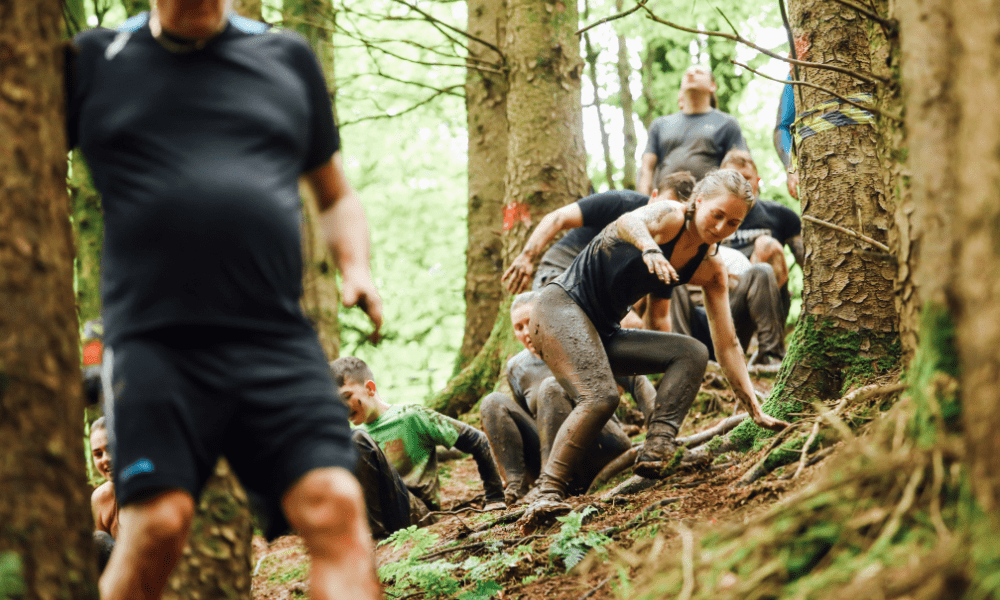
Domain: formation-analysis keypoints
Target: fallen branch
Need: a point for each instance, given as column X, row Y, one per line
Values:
column 724, row 426
column 475, row 545
column 846, row 231
column 687, row 562
column 596, row 588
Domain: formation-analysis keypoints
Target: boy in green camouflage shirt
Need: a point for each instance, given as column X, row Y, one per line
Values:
column 409, row 435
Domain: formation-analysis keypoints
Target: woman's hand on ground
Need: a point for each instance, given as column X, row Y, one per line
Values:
column 769, row 422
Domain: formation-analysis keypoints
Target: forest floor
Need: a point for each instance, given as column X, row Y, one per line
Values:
column 474, row 556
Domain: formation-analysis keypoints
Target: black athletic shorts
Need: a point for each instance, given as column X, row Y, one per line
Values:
column 176, row 399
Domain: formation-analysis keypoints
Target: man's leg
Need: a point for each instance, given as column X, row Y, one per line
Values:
column 386, row 498
column 327, row 508
column 514, row 440
column 756, row 306
column 554, row 405
column 151, row 538
column 768, row 250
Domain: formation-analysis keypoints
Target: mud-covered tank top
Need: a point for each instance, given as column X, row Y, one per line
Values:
column 609, row 276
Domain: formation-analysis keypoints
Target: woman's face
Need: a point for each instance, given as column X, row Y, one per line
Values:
column 718, row 217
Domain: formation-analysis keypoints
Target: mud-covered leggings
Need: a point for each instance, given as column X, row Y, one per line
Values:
column 522, row 443
column 585, row 366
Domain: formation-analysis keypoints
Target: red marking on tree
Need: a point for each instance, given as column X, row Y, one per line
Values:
column 514, row 212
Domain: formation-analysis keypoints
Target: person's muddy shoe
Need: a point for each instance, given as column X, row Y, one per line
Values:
column 514, row 492
column 659, row 458
column 543, row 510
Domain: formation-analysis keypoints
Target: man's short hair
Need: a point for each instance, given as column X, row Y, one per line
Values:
column 737, row 159
column 350, row 368
column 522, row 299
column 100, row 423
column 681, row 182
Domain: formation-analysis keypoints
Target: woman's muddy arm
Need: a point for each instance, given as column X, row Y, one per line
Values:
column 728, row 351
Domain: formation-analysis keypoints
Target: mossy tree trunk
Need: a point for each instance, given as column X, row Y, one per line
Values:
column 45, row 540
column 848, row 331
column 486, row 107
column 546, row 163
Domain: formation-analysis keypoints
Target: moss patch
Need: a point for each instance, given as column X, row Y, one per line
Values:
column 839, row 359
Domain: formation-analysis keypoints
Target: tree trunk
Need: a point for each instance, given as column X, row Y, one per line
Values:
column 848, row 329
column 45, row 541
column 546, row 163
column 625, row 96
column 609, row 166
column 320, row 298
column 216, row 563
column 486, row 108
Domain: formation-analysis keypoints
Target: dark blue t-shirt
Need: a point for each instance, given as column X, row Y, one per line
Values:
column 197, row 158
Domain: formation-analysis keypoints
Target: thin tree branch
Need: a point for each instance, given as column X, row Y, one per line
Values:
column 639, row 4
column 455, row 29
column 868, row 107
column 868, row 78
column 428, row 63
column 887, row 24
column 402, row 112
column 844, row 230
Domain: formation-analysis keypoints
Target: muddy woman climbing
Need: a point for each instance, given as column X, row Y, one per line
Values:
column 574, row 324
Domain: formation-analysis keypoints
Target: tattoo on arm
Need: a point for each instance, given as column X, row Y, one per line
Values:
column 798, row 249
column 636, row 227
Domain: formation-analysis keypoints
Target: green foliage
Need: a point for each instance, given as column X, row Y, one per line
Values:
column 572, row 544
column 12, row 585
column 484, row 590
column 932, row 374
column 298, row 572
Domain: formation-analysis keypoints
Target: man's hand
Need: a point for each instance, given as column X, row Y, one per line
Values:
column 518, row 276
column 360, row 291
column 793, row 185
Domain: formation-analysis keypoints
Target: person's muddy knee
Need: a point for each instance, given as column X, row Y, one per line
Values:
column 492, row 407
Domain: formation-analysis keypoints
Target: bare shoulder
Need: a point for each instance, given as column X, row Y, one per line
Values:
column 711, row 272
column 103, row 494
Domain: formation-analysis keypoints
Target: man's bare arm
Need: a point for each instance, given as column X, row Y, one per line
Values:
column 518, row 276
column 798, row 250
column 645, row 185
column 345, row 229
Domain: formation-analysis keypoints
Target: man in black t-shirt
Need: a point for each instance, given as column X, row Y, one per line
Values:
column 584, row 218
column 767, row 228
column 197, row 125
column 695, row 139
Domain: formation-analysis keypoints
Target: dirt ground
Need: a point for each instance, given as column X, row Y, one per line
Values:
column 708, row 496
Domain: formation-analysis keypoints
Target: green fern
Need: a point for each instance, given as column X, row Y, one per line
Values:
column 484, row 590
column 571, row 544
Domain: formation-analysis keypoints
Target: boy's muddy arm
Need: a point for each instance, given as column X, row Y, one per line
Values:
column 474, row 442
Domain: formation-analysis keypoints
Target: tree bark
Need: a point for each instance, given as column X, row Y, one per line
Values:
column 45, row 541
column 216, row 562
column 486, row 108
column 546, row 163
column 321, row 298
column 625, row 95
column 848, row 331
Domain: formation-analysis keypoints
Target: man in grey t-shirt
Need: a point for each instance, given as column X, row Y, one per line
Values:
column 694, row 139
